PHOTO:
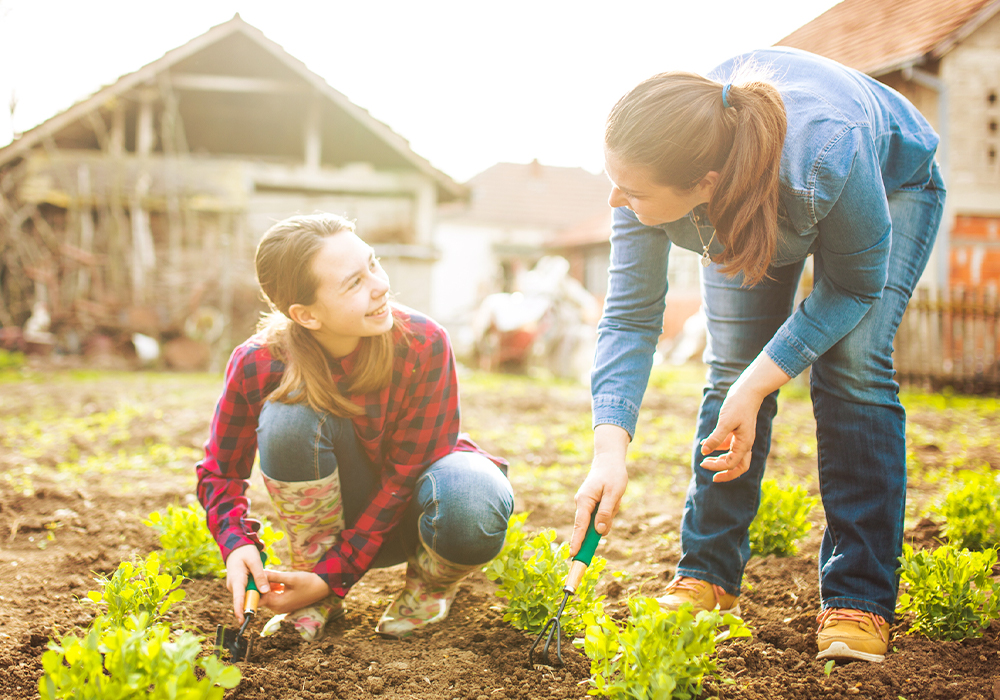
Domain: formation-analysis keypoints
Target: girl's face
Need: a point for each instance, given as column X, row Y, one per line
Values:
column 652, row 203
column 352, row 297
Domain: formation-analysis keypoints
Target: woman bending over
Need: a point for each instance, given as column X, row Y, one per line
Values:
column 755, row 175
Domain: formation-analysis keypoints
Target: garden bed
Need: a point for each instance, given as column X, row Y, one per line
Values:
column 85, row 457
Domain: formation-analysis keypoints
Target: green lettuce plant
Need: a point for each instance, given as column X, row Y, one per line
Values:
column 949, row 591
column 530, row 572
column 137, row 589
column 655, row 654
column 782, row 519
column 188, row 546
column 971, row 509
column 137, row 660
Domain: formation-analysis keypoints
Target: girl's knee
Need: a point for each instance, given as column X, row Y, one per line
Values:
column 294, row 440
column 465, row 521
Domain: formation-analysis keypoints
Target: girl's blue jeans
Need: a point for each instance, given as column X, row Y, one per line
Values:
column 459, row 507
column 860, row 424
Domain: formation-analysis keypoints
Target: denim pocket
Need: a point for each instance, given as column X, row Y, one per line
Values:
column 933, row 181
column 925, row 184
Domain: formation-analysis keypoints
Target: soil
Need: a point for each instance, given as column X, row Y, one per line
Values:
column 473, row 655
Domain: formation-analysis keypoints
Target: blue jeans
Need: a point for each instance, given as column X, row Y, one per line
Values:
column 860, row 424
column 459, row 507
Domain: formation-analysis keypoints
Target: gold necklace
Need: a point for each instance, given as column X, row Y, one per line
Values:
column 706, row 259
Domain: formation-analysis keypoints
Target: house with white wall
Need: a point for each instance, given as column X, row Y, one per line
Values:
column 502, row 229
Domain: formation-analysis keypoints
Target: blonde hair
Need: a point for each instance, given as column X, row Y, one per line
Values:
column 676, row 126
column 284, row 271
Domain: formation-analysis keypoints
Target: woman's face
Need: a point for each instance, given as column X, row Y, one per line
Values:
column 352, row 297
column 652, row 203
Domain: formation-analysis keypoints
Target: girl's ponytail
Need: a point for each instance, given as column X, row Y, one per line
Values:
column 283, row 261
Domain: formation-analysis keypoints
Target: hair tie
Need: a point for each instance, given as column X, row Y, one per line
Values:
column 725, row 95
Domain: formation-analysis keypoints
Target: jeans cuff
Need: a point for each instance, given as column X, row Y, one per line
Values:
column 859, row 604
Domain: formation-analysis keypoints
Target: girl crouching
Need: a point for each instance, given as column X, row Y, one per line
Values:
column 352, row 402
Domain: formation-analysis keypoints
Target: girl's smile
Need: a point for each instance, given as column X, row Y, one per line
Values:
column 351, row 298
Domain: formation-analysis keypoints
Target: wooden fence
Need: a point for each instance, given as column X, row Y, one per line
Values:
column 950, row 338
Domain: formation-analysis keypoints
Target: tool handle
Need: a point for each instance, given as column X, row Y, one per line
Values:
column 583, row 558
column 590, row 542
column 252, row 594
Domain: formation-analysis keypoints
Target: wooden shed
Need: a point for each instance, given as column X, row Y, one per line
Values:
column 139, row 208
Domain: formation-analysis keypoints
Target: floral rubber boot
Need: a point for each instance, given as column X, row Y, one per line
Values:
column 312, row 515
column 431, row 586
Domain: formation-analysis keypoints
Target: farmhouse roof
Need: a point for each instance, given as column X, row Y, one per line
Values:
column 594, row 230
column 214, row 59
column 881, row 36
column 532, row 194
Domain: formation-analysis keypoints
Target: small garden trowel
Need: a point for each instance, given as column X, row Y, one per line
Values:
column 576, row 571
column 237, row 643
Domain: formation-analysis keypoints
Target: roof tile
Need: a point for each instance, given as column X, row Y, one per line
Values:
column 876, row 36
column 532, row 194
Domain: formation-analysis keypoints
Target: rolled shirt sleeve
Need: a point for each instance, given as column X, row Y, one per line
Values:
column 632, row 320
column 229, row 452
column 851, row 264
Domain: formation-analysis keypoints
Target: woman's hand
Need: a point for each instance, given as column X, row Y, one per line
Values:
column 735, row 433
column 604, row 486
column 737, row 426
column 292, row 590
column 242, row 563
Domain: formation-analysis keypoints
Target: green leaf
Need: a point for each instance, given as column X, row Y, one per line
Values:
column 782, row 519
column 949, row 592
column 969, row 509
column 654, row 653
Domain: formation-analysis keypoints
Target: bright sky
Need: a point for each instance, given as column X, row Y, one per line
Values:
column 467, row 82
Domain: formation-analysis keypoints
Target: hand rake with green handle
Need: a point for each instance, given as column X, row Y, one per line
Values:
column 577, row 569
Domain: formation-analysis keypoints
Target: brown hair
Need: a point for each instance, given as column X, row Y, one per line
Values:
column 676, row 126
column 284, row 272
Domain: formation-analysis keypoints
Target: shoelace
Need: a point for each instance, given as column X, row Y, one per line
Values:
column 848, row 615
column 687, row 583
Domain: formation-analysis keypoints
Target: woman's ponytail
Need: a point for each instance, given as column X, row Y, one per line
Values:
column 744, row 204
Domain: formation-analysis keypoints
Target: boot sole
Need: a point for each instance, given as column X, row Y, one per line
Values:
column 840, row 650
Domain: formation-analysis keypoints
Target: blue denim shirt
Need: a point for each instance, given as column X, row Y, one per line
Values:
column 850, row 142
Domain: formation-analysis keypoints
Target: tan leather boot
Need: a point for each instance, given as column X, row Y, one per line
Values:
column 312, row 515
column 701, row 594
column 431, row 586
column 852, row 635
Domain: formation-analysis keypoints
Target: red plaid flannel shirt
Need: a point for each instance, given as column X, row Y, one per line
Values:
column 406, row 427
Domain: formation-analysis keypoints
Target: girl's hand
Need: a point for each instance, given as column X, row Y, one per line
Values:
column 292, row 590
column 604, row 486
column 242, row 563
